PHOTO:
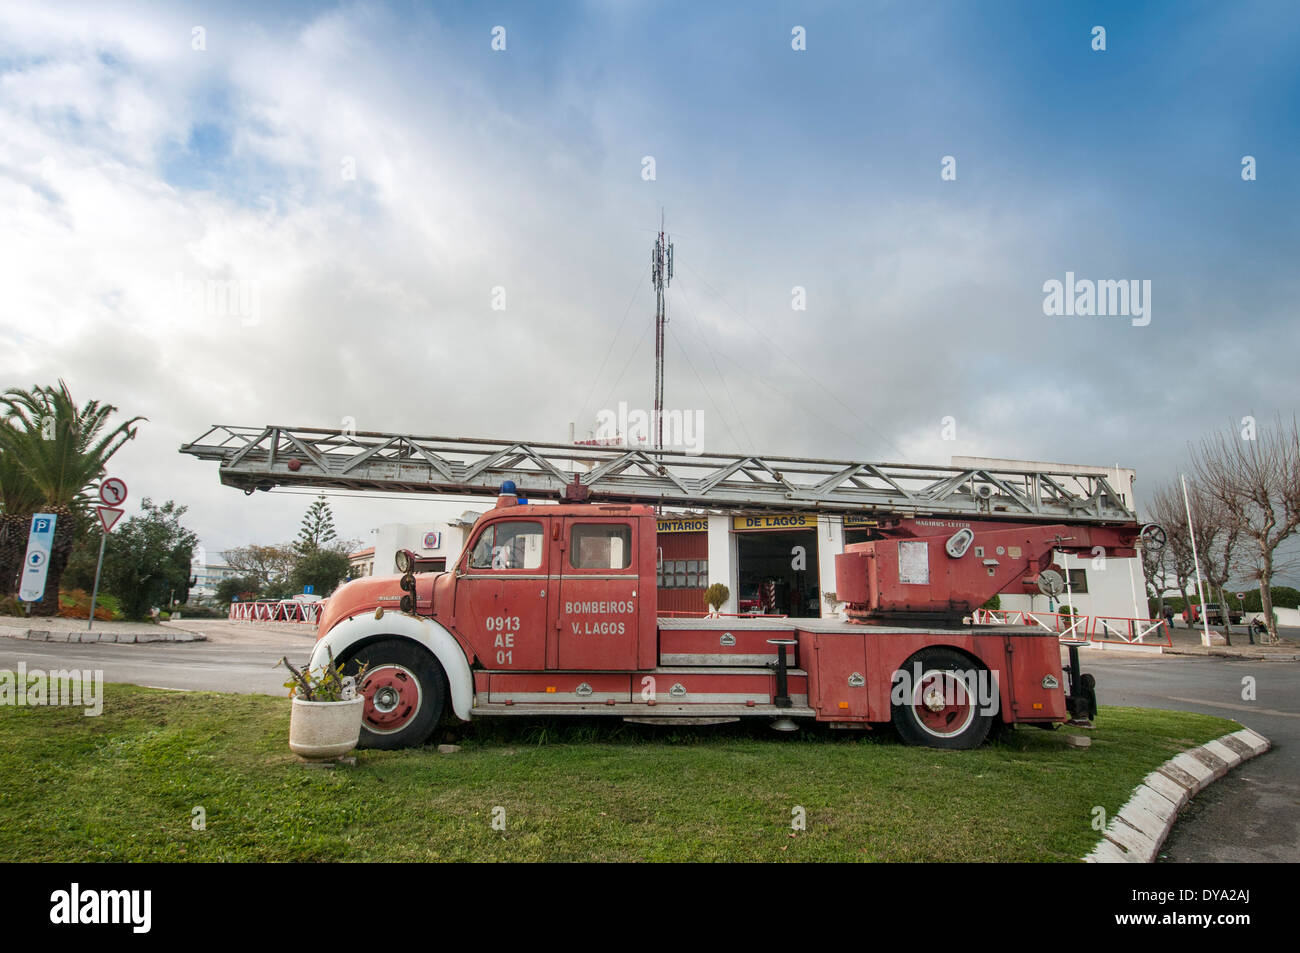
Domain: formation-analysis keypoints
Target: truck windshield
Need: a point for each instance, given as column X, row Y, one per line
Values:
column 508, row 545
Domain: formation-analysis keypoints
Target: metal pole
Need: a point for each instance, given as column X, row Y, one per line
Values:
column 1069, row 592
column 95, row 594
column 1196, row 561
column 1131, row 585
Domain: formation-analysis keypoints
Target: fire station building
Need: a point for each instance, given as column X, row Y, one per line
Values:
column 785, row 563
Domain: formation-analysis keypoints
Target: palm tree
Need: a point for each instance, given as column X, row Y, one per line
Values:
column 18, row 500
column 59, row 451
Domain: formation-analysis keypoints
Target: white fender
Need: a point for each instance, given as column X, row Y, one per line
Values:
column 428, row 633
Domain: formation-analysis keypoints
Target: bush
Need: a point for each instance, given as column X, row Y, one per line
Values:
column 1284, row 597
column 201, row 612
column 75, row 604
column 109, row 602
column 716, row 595
column 10, row 605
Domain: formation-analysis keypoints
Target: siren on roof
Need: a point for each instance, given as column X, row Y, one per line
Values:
column 508, row 495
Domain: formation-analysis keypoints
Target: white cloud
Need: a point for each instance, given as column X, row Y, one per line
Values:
column 374, row 293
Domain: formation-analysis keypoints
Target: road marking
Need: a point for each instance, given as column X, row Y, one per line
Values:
column 1253, row 709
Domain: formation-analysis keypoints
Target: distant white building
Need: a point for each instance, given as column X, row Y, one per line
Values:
column 436, row 546
column 362, row 562
column 208, row 574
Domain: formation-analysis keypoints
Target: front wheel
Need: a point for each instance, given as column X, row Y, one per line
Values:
column 937, row 701
column 405, row 691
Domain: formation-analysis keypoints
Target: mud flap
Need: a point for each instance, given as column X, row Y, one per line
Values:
column 1081, row 702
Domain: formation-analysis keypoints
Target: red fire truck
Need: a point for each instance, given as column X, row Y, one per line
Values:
column 551, row 611
column 551, row 607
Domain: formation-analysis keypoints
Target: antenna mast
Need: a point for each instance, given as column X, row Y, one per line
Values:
column 661, row 271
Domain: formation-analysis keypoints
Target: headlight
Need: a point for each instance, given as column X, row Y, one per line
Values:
column 405, row 561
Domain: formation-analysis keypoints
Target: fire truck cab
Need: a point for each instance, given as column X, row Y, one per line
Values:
column 551, row 610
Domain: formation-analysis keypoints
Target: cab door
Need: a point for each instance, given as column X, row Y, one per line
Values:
column 597, row 609
column 501, row 593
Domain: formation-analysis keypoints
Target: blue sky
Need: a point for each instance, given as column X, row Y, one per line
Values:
column 129, row 160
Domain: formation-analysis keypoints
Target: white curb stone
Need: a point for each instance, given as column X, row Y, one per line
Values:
column 1172, row 791
column 1107, row 852
column 1257, row 742
column 1229, row 755
column 81, row 634
column 1202, row 773
column 1133, row 839
column 1135, row 834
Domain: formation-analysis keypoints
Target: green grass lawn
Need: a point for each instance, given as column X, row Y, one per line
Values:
column 123, row 786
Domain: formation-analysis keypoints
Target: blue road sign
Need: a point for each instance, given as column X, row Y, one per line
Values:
column 37, row 563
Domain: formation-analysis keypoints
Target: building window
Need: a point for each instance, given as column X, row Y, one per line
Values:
column 1078, row 580
column 684, row 574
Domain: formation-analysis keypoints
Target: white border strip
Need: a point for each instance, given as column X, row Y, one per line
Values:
column 1135, row 834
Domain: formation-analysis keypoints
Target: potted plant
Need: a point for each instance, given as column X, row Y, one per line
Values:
column 325, row 722
column 715, row 596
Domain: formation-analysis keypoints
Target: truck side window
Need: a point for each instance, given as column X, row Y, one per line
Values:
column 600, row 546
column 508, row 545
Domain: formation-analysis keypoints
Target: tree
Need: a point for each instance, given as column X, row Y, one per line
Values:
column 148, row 558
column 323, row 570
column 317, row 531
column 61, row 450
column 1256, row 478
column 270, row 566
column 80, row 571
column 1155, row 569
column 1217, row 533
column 236, row 587
column 1177, row 565
column 322, row 558
column 19, row 498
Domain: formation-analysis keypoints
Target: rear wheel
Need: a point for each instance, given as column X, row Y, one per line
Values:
column 941, row 705
column 405, row 691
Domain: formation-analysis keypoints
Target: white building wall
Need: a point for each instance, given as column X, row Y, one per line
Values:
column 830, row 543
column 391, row 537
column 1110, row 592
column 724, row 566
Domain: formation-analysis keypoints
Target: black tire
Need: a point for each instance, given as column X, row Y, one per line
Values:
column 406, row 693
column 958, row 725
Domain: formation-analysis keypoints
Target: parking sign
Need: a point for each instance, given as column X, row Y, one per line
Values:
column 37, row 562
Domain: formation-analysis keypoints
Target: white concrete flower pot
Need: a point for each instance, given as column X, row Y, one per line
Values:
column 319, row 731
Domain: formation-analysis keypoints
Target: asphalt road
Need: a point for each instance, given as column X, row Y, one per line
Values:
column 236, row 658
column 1253, row 815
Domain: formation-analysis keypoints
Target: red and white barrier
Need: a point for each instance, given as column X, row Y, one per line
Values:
column 1065, row 625
column 276, row 610
column 1124, row 630
column 1102, row 630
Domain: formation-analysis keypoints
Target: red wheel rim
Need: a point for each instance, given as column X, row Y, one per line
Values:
column 393, row 698
column 944, row 704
